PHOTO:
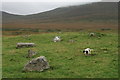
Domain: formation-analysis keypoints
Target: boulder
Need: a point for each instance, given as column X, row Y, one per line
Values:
column 20, row 45
column 37, row 64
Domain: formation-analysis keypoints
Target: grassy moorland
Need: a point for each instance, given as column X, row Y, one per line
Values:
column 65, row 58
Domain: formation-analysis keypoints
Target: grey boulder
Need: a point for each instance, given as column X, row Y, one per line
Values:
column 37, row 64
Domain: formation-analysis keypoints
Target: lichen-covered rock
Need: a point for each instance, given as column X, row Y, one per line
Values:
column 37, row 64
column 20, row 45
column 31, row 53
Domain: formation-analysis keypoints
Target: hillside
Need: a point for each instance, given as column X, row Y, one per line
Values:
column 100, row 12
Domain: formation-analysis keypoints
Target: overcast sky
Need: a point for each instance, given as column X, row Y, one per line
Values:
column 25, row 7
column 33, row 7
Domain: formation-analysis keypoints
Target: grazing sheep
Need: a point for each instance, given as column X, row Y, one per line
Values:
column 57, row 39
column 20, row 45
column 92, row 34
column 87, row 51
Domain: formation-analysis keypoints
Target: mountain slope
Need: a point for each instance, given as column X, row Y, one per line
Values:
column 94, row 9
column 94, row 12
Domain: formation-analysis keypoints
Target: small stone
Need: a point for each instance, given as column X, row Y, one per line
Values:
column 71, row 41
column 31, row 53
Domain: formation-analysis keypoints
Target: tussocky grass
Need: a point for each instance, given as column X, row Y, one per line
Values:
column 65, row 58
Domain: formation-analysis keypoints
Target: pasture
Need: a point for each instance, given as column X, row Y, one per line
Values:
column 65, row 58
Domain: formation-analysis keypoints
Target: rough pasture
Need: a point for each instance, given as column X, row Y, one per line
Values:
column 65, row 58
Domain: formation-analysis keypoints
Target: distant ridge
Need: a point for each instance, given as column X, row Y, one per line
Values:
column 93, row 12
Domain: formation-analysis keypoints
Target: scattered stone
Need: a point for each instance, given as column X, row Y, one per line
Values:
column 60, row 32
column 20, row 45
column 37, row 64
column 99, row 37
column 26, row 36
column 31, row 53
column 71, row 41
column 105, row 49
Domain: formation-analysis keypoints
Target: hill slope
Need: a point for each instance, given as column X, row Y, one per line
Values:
column 79, row 15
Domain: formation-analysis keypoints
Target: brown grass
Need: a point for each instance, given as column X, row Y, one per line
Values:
column 71, row 25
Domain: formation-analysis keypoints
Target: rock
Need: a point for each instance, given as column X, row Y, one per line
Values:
column 20, row 45
column 37, row 64
column 26, row 36
column 71, row 41
column 104, row 49
column 31, row 53
column 99, row 37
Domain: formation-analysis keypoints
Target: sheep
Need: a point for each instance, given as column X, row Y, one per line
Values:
column 57, row 39
column 87, row 51
column 92, row 34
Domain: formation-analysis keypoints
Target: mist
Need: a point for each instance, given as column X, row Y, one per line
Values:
column 25, row 8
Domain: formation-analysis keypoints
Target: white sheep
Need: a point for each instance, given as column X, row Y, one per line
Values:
column 57, row 39
column 92, row 34
column 87, row 51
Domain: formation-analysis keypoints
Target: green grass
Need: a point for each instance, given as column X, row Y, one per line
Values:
column 65, row 58
column 0, row 57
